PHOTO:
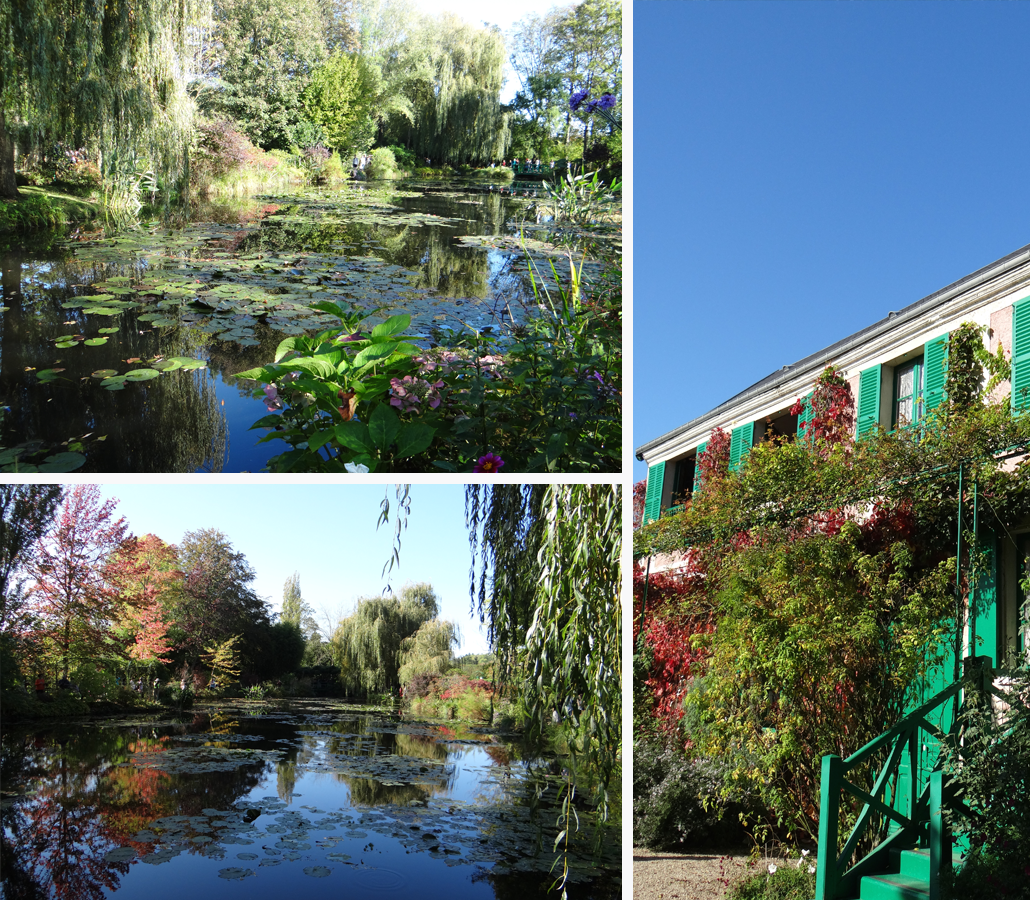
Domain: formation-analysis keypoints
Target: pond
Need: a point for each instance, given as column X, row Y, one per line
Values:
column 117, row 354
column 320, row 798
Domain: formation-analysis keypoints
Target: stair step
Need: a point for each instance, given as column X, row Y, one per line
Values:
column 916, row 863
column 894, row 887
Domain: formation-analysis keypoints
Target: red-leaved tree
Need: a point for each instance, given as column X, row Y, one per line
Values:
column 71, row 594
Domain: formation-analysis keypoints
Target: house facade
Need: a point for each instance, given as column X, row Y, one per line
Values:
column 896, row 369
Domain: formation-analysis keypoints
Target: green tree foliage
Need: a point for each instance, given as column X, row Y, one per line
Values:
column 268, row 50
column 296, row 610
column 217, row 600
column 340, row 99
column 367, row 644
column 428, row 651
column 223, row 659
column 100, row 74
column 547, row 576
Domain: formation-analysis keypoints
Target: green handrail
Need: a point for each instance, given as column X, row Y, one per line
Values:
column 924, row 822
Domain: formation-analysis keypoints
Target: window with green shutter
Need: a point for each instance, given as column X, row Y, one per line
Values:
column 806, row 415
column 653, row 498
column 1021, row 356
column 740, row 444
column 935, row 357
column 697, row 469
column 868, row 400
column 908, row 393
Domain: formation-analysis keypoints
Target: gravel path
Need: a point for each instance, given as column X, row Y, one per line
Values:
column 661, row 875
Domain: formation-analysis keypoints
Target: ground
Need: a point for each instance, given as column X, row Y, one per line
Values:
column 706, row 875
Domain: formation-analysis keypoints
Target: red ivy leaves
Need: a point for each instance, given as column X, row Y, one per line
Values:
column 832, row 418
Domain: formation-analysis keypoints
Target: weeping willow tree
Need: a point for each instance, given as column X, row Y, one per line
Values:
column 107, row 76
column 546, row 578
column 461, row 120
column 428, row 650
column 367, row 644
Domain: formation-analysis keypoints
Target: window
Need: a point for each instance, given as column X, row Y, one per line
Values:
column 908, row 393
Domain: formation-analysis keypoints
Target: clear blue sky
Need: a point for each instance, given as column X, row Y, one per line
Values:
column 327, row 533
column 802, row 169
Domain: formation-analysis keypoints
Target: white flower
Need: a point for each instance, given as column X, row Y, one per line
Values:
column 805, row 852
column 355, row 468
column 811, row 870
column 772, row 868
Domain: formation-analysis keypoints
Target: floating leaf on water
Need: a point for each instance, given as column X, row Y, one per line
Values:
column 141, row 374
column 62, row 462
column 235, row 873
column 318, row 871
column 103, row 310
column 108, row 330
column 187, row 362
column 122, row 854
column 64, row 345
column 96, row 342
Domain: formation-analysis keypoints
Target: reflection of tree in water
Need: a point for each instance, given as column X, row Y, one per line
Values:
column 370, row 792
column 53, row 843
column 421, row 747
column 170, row 424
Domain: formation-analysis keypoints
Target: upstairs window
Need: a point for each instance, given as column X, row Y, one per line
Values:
column 908, row 393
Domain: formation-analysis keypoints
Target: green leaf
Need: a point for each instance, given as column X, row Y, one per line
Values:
column 62, row 462
column 64, row 345
column 187, row 362
column 285, row 347
column 415, row 437
column 141, row 374
column 271, row 421
column 555, row 448
column 383, row 426
column 320, row 368
column 96, row 342
column 321, row 438
column 393, row 325
column 355, row 436
column 374, row 353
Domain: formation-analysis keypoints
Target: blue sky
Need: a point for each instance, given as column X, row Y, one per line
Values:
column 802, row 169
column 327, row 533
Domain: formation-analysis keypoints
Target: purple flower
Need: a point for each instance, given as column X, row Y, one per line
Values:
column 607, row 101
column 490, row 463
column 576, row 99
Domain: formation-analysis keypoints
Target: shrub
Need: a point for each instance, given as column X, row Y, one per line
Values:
column 383, row 164
column 678, row 800
column 32, row 211
column 790, row 881
column 991, row 775
column 221, row 149
column 404, row 157
column 333, row 170
column 419, row 686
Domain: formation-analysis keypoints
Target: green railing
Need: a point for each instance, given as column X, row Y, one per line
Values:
column 923, row 826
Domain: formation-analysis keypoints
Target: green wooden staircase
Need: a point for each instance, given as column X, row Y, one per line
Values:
column 905, row 803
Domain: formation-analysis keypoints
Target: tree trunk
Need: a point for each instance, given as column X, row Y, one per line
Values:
column 8, row 185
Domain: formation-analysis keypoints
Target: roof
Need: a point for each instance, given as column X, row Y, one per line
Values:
column 817, row 361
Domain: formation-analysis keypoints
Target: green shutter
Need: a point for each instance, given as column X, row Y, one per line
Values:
column 653, row 500
column 935, row 373
column 1021, row 356
column 697, row 468
column 740, row 444
column 868, row 400
column 806, row 414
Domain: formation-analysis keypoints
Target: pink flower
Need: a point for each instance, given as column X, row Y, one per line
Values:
column 490, row 463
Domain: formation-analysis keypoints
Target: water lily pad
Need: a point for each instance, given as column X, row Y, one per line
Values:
column 108, row 330
column 235, row 873
column 64, row 345
column 141, row 374
column 46, row 375
column 104, row 373
column 96, row 342
column 62, row 462
column 122, row 854
column 271, row 861
column 103, row 310
column 318, row 871
column 186, row 362
column 247, row 856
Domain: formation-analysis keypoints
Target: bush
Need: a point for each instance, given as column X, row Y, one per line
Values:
column 677, row 800
column 421, row 685
column 32, row 211
column 991, row 775
column 333, row 169
column 221, row 149
column 791, row 881
column 404, row 157
column 17, row 704
column 383, row 164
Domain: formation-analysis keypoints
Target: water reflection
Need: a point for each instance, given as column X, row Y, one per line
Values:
column 199, row 420
column 271, row 799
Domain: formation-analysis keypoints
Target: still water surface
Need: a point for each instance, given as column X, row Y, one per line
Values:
column 323, row 800
column 123, row 349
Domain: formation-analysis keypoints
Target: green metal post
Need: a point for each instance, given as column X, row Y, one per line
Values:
column 940, row 835
column 973, row 588
column 958, row 583
column 827, row 874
